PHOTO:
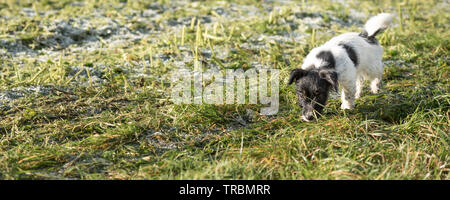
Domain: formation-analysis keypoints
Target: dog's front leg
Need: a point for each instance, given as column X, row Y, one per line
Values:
column 348, row 84
column 359, row 86
column 348, row 96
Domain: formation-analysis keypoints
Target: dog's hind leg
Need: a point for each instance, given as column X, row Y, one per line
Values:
column 375, row 85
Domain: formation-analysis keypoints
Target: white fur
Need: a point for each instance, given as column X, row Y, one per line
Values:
column 381, row 21
column 370, row 66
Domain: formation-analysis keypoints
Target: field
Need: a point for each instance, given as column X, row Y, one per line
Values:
column 85, row 91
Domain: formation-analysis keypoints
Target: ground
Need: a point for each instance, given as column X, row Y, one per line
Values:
column 85, row 91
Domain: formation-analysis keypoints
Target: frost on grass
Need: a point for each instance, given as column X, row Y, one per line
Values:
column 156, row 24
column 19, row 92
column 75, row 33
column 87, row 75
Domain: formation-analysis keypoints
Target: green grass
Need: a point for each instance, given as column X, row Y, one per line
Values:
column 128, row 128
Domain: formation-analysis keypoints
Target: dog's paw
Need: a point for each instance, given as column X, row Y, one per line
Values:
column 347, row 107
column 375, row 90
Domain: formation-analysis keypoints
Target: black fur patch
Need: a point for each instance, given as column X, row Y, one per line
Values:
column 351, row 53
column 312, row 92
column 370, row 39
column 296, row 74
column 328, row 57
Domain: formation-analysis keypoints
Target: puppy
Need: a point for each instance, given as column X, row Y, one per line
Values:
column 345, row 60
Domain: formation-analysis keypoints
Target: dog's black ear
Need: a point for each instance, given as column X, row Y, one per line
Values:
column 331, row 77
column 296, row 74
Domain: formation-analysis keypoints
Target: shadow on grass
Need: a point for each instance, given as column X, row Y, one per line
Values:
column 395, row 107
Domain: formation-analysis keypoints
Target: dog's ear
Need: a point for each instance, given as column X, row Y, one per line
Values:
column 296, row 74
column 331, row 77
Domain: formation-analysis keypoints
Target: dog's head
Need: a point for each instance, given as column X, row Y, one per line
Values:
column 312, row 90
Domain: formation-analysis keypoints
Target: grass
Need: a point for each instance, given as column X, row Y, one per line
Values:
column 126, row 126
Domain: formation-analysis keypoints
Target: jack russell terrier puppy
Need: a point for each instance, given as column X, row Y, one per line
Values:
column 345, row 60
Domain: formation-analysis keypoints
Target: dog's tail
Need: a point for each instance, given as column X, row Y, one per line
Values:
column 377, row 24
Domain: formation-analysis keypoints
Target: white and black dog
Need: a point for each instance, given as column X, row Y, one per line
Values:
column 347, row 60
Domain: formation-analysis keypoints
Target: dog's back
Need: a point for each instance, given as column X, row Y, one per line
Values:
column 359, row 51
column 363, row 54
